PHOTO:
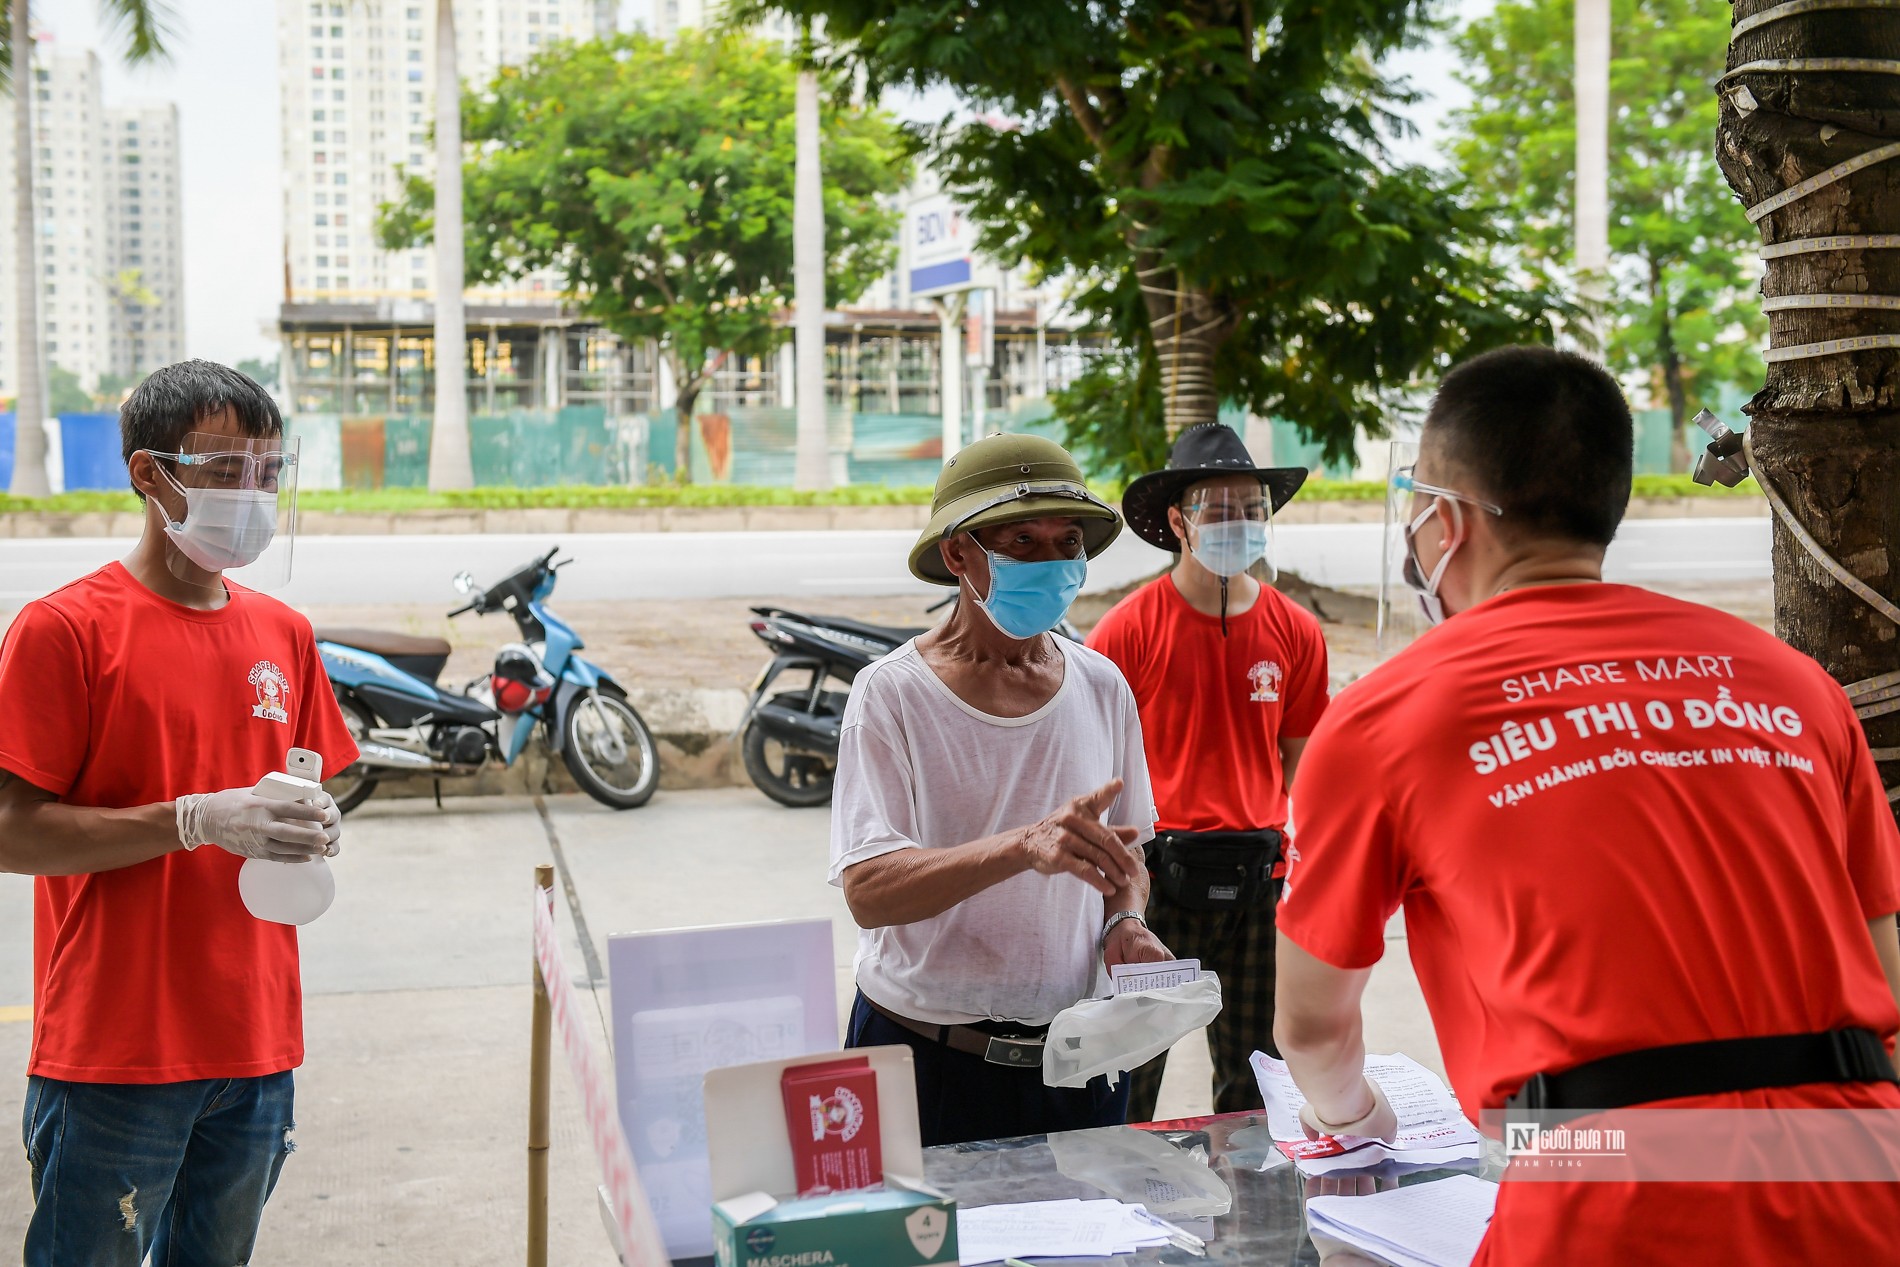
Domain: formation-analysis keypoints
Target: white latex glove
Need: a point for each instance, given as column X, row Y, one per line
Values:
column 240, row 821
column 1380, row 1122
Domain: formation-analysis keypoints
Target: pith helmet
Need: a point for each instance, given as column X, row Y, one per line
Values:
column 1004, row 479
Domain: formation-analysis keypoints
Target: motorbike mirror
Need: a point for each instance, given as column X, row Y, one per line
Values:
column 464, row 583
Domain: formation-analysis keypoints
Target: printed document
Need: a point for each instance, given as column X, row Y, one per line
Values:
column 1433, row 1131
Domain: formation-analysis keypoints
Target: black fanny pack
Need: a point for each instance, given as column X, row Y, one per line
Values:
column 1215, row 870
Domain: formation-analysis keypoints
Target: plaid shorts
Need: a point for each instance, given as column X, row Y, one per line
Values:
column 1238, row 946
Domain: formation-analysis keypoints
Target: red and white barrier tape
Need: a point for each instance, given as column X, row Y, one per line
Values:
column 640, row 1241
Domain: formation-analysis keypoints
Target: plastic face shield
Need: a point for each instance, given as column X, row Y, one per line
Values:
column 1400, row 617
column 240, row 519
column 1232, row 529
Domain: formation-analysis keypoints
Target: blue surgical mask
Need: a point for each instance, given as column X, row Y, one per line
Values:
column 1027, row 599
column 1230, row 548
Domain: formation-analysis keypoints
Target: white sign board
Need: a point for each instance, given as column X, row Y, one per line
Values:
column 941, row 242
column 693, row 1000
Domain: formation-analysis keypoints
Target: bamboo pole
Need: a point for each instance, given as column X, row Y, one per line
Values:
column 538, row 1086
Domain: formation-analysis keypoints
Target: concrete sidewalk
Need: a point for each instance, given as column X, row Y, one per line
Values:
column 412, row 1104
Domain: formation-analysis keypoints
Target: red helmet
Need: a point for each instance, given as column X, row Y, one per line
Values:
column 519, row 682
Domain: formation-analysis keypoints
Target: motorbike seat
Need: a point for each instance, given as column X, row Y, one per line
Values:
column 424, row 657
column 383, row 643
column 892, row 634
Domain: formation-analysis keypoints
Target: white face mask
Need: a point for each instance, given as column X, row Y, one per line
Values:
column 1230, row 548
column 224, row 528
column 1430, row 602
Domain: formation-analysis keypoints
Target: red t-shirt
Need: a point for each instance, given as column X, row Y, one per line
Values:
column 1615, row 821
column 1214, row 709
column 115, row 697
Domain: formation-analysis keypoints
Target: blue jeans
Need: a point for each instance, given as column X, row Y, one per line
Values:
column 177, row 1170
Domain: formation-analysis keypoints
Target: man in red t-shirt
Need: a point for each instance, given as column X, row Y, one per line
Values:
column 1617, row 823
column 143, row 703
column 1229, row 678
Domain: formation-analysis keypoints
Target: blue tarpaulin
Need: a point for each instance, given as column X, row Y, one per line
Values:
column 90, row 452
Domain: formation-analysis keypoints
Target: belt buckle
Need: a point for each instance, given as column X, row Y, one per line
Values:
column 1018, row 1053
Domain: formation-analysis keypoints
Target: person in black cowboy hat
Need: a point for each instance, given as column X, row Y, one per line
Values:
column 1229, row 678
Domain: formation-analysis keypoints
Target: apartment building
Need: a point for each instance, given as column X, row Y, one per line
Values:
column 358, row 99
column 110, row 257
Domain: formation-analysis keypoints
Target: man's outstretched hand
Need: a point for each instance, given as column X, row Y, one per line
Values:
column 1075, row 841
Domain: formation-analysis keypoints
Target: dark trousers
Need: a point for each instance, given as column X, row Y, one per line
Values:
column 176, row 1170
column 961, row 1097
column 1238, row 946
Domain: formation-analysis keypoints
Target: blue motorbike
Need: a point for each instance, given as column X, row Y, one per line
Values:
column 406, row 723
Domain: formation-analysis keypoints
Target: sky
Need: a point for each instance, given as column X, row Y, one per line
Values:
column 223, row 77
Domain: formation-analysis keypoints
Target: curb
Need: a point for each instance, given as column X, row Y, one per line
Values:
column 567, row 522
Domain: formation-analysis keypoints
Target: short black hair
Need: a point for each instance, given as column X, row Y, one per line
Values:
column 1545, row 434
column 164, row 408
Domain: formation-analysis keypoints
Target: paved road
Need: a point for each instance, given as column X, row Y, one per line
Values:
column 407, row 569
column 412, row 1103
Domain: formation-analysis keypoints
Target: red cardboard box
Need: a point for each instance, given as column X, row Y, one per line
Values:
column 831, row 1116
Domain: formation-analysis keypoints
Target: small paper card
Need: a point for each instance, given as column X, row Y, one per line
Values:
column 831, row 1116
column 1133, row 978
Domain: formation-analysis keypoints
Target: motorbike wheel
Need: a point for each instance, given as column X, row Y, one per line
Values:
column 787, row 775
column 353, row 785
column 609, row 751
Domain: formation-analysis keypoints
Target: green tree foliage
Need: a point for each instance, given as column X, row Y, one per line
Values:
column 263, row 373
column 112, row 389
column 1683, row 308
column 64, row 395
column 1212, row 173
column 658, row 179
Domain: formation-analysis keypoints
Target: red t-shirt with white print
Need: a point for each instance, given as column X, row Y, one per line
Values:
column 116, row 697
column 1615, row 821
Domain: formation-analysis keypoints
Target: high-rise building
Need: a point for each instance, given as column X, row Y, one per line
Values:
column 107, row 212
column 670, row 17
column 146, row 290
column 358, row 100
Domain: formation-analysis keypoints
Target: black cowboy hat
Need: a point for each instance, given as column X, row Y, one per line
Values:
column 1204, row 452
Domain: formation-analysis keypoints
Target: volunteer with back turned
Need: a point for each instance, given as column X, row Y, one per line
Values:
column 1618, row 824
column 1230, row 678
column 991, row 800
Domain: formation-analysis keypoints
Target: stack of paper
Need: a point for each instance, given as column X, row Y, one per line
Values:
column 1433, row 1131
column 1055, row 1229
column 1436, row 1224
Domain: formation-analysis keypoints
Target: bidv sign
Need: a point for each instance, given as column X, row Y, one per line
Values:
column 939, row 238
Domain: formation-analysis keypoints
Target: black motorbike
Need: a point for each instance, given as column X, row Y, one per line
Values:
column 789, row 741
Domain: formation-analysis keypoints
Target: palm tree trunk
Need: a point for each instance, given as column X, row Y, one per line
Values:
column 813, row 466
column 449, row 462
column 29, row 405
column 1188, row 326
column 1590, row 37
column 1826, row 426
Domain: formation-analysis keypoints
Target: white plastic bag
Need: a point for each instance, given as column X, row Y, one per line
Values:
column 1111, row 1036
column 1136, row 1166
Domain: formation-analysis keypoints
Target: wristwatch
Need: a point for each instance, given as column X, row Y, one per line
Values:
column 1113, row 920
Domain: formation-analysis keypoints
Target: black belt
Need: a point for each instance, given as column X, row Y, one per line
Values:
column 1020, row 1049
column 1709, row 1068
